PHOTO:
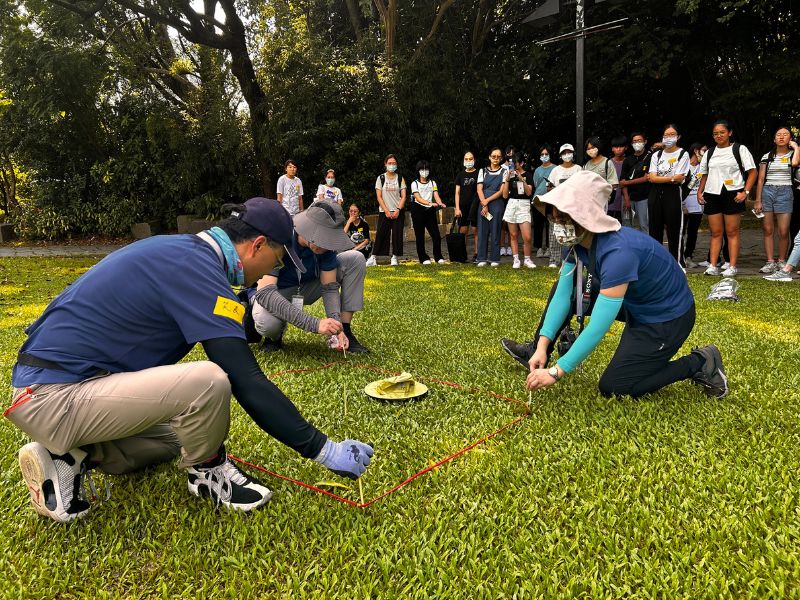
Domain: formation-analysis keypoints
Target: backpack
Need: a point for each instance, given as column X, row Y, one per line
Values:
column 689, row 183
column 401, row 182
column 771, row 158
column 680, row 155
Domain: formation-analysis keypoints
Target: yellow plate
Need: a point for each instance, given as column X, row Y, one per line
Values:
column 415, row 389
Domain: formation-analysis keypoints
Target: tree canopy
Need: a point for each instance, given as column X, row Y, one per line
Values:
column 115, row 111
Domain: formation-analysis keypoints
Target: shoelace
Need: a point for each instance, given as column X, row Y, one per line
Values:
column 84, row 479
column 222, row 478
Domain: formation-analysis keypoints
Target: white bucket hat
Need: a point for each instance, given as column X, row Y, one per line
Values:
column 583, row 197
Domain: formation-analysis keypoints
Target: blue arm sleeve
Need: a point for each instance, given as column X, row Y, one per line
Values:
column 558, row 309
column 603, row 314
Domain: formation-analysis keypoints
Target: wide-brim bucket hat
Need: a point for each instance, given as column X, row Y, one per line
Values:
column 397, row 388
column 322, row 224
column 584, row 197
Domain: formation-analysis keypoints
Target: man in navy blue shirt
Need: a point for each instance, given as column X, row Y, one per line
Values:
column 333, row 271
column 639, row 283
column 96, row 383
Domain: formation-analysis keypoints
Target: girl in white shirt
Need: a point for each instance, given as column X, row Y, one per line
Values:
column 424, row 204
column 327, row 191
column 724, row 187
column 290, row 189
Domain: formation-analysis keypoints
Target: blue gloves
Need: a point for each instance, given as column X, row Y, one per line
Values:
column 348, row 458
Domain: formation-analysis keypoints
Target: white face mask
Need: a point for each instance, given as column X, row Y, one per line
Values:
column 565, row 234
column 638, row 146
column 592, row 152
column 567, row 157
column 391, row 168
column 424, row 174
column 544, row 158
column 468, row 164
column 330, row 181
column 670, row 141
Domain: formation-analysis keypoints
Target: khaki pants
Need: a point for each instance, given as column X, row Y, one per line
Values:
column 128, row 421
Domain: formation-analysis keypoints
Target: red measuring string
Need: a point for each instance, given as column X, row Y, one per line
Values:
column 405, row 482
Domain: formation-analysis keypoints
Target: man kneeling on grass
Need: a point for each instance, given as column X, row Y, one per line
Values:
column 96, row 384
column 336, row 278
column 640, row 283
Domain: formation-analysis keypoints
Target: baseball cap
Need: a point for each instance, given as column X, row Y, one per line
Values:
column 566, row 147
column 270, row 218
column 322, row 224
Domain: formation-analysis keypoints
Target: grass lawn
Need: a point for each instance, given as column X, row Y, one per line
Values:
column 674, row 495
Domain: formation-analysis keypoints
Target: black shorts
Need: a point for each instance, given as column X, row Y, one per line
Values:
column 724, row 203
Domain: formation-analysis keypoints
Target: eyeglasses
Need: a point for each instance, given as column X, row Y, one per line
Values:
column 496, row 156
column 278, row 252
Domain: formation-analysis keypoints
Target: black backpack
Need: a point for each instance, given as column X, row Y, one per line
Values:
column 737, row 154
column 400, row 181
column 771, row 158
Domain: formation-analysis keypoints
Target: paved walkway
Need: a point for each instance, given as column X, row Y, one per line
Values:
column 751, row 256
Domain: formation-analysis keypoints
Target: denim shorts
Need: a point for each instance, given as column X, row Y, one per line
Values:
column 777, row 199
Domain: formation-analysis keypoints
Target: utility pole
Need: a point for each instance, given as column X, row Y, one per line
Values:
column 579, row 100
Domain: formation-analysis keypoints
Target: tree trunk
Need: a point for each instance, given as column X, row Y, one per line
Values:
column 355, row 18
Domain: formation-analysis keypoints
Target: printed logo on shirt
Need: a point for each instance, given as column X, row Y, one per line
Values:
column 225, row 307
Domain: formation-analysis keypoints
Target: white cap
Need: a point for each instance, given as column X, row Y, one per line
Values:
column 565, row 147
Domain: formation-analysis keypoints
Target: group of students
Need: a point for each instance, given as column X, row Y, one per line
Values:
column 659, row 189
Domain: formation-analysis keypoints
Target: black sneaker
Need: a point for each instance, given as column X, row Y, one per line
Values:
column 269, row 345
column 355, row 346
column 227, row 485
column 712, row 375
column 519, row 352
column 55, row 482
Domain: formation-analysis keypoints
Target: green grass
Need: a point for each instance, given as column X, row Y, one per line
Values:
column 673, row 495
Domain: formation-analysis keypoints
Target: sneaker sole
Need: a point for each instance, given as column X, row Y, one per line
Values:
column 32, row 458
column 782, row 279
column 202, row 492
column 718, row 369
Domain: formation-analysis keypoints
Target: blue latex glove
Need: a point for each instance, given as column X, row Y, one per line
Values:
column 348, row 458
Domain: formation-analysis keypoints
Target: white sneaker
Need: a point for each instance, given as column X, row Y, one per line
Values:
column 705, row 263
column 509, row 251
column 781, row 264
column 495, row 264
column 541, row 253
column 725, row 265
column 502, row 251
column 482, row 263
column 372, row 261
column 516, row 264
column 769, row 267
column 690, row 264
column 779, row 276
column 730, row 272
column 426, row 262
column 712, row 270
column 442, row 261
column 552, row 265
column 394, row 262
column 55, row 482
column 227, row 485
column 529, row 263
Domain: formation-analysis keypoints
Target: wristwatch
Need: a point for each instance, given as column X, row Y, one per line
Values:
column 553, row 372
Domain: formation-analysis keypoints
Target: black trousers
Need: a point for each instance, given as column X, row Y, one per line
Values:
column 665, row 210
column 794, row 224
column 642, row 363
column 540, row 228
column 692, row 227
column 425, row 219
column 389, row 229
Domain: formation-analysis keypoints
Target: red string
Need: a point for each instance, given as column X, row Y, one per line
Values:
column 405, row 482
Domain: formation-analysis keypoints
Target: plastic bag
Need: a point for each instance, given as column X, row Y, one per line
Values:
column 725, row 289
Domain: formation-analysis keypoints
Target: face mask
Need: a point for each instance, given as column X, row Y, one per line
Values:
column 638, row 146
column 567, row 157
column 544, row 158
column 424, row 174
column 468, row 164
column 330, row 181
column 565, row 234
column 391, row 168
column 669, row 142
column 592, row 153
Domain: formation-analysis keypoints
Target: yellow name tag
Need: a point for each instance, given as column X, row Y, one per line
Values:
column 729, row 182
column 672, row 161
column 225, row 307
column 785, row 159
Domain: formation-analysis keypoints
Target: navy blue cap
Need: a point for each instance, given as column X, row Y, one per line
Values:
column 270, row 218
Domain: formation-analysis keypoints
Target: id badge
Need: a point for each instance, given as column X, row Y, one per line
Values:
column 728, row 182
column 297, row 301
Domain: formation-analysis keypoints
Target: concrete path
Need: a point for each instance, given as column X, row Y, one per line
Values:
column 53, row 251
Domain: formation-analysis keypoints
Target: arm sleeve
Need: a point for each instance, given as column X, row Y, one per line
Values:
column 603, row 314
column 747, row 159
column 559, row 307
column 332, row 301
column 682, row 168
column 269, row 297
column 703, row 170
column 267, row 405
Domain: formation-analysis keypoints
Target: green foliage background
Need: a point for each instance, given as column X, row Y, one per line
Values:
column 673, row 495
column 110, row 118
